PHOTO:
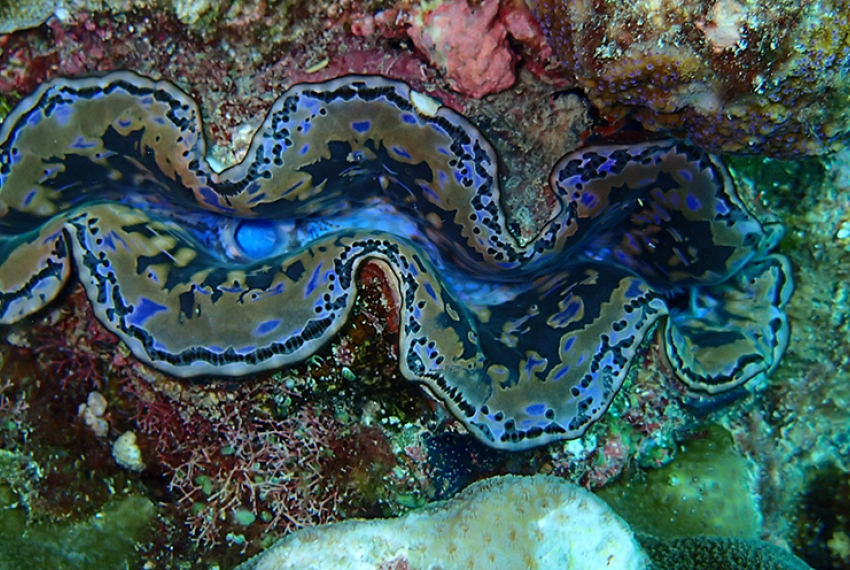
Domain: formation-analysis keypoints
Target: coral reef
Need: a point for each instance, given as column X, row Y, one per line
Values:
column 393, row 449
column 539, row 523
column 755, row 76
column 713, row 553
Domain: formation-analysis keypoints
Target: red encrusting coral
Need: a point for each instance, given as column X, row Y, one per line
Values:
column 468, row 44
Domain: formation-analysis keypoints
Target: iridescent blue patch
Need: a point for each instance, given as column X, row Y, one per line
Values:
column 257, row 239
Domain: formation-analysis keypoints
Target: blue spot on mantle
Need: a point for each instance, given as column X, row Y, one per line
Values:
column 361, row 126
column 144, row 311
column 266, row 327
column 692, row 202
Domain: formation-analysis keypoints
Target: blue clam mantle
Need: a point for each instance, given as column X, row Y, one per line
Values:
column 253, row 268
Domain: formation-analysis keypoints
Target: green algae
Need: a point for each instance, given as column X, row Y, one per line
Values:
column 103, row 541
column 6, row 103
column 705, row 490
column 18, row 478
column 778, row 181
column 244, row 517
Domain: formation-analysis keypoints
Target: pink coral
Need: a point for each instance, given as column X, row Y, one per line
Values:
column 468, row 44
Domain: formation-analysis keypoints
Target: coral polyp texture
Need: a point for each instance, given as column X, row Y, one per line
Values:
column 713, row 552
column 736, row 76
column 539, row 523
column 202, row 272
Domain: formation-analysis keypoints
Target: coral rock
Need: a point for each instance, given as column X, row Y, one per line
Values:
column 508, row 522
column 16, row 16
column 127, row 453
column 716, row 553
column 736, row 76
